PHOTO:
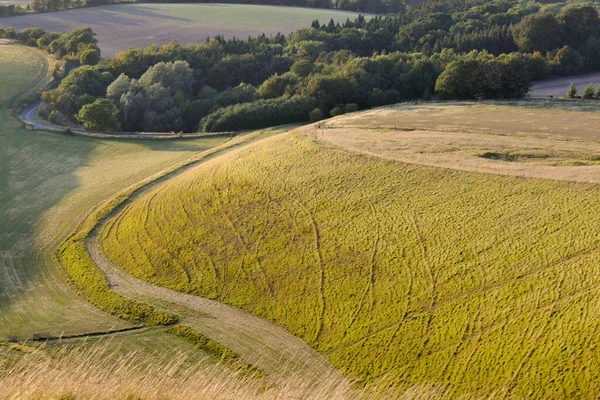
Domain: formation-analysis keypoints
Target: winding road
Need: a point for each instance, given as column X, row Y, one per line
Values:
column 29, row 117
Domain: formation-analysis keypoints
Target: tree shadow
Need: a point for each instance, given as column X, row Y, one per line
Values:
column 36, row 171
column 40, row 183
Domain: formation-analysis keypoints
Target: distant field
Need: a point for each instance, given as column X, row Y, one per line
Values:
column 559, row 87
column 472, row 284
column 139, row 25
column 22, row 3
column 525, row 141
column 22, row 71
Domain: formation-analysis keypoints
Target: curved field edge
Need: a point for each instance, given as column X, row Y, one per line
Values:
column 41, row 78
column 38, row 83
column 465, row 305
column 84, row 275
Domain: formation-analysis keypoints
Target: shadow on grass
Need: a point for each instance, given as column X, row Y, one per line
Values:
column 38, row 170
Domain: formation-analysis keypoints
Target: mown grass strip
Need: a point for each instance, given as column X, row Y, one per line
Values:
column 90, row 281
column 215, row 349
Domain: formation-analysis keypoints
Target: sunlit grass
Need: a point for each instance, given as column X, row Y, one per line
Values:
column 22, row 71
column 478, row 284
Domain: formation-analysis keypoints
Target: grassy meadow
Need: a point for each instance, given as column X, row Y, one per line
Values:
column 23, row 70
column 146, row 365
column 48, row 183
column 407, row 275
column 119, row 27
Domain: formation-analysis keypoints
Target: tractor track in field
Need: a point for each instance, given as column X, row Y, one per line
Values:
column 285, row 358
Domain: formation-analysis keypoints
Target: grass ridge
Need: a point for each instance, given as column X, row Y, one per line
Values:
column 85, row 276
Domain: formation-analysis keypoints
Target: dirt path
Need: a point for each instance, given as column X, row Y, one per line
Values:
column 285, row 358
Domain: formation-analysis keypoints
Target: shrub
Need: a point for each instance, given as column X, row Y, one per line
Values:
column 572, row 93
column 315, row 115
column 336, row 111
column 53, row 117
column 89, row 57
column 567, row 61
column 352, row 107
column 588, row 92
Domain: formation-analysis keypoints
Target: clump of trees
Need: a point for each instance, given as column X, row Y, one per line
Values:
column 8, row 10
column 481, row 75
column 101, row 115
column 455, row 50
column 79, row 44
column 589, row 92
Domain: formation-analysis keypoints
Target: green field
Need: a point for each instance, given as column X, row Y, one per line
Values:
column 405, row 275
column 23, row 70
column 119, row 27
column 48, row 183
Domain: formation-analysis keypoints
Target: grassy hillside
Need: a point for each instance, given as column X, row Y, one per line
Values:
column 119, row 27
column 23, row 70
column 48, row 183
column 403, row 274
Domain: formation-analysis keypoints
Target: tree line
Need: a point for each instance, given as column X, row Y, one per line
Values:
column 454, row 50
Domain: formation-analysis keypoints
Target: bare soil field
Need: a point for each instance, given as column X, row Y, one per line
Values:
column 119, row 27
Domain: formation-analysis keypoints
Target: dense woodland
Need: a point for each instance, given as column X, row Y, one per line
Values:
column 454, row 50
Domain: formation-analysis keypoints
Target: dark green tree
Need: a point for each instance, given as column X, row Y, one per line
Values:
column 101, row 115
column 89, row 57
column 572, row 93
column 588, row 92
column 538, row 32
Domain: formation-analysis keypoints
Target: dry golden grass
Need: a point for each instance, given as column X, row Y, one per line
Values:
column 403, row 275
column 478, row 117
column 531, row 143
column 105, row 370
